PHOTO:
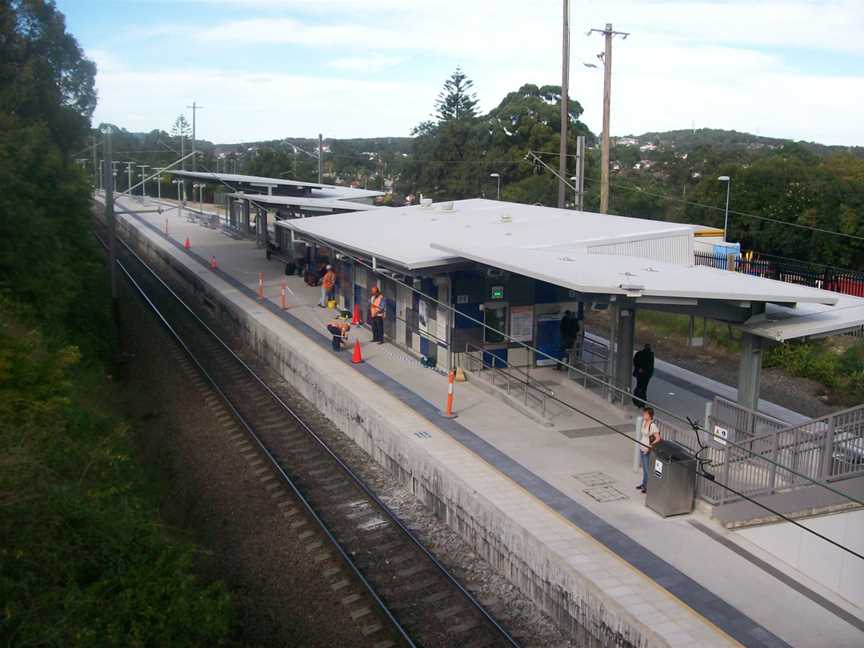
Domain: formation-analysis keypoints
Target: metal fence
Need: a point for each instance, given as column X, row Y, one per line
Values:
column 763, row 455
column 742, row 423
column 848, row 282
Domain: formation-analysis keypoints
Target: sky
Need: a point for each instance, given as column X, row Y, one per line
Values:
column 269, row 69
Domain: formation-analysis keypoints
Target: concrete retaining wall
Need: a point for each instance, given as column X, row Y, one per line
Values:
column 579, row 608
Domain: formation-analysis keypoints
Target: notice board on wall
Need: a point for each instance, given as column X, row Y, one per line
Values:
column 522, row 323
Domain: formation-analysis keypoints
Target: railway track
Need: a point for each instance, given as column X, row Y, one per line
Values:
column 406, row 596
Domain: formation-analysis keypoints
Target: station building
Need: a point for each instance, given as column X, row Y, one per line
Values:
column 516, row 268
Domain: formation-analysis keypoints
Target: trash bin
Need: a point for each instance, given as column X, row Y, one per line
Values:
column 671, row 479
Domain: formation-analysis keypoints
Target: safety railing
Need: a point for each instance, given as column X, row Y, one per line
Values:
column 784, row 458
column 590, row 368
column 746, row 423
column 517, row 382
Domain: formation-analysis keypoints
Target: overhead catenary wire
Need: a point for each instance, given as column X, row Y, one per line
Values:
column 625, row 392
column 607, row 384
column 612, row 428
column 811, row 228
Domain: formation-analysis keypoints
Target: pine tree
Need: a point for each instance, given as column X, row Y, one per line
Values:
column 456, row 99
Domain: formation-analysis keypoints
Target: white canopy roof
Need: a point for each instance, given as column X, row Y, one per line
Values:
column 321, row 190
column 305, row 202
column 403, row 235
column 550, row 245
column 633, row 276
column 781, row 323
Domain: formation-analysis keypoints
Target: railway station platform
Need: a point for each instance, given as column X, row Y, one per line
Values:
column 552, row 506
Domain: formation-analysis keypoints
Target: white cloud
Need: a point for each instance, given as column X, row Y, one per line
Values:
column 365, row 65
column 243, row 106
column 720, row 63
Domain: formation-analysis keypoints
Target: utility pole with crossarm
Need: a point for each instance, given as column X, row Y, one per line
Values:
column 607, row 92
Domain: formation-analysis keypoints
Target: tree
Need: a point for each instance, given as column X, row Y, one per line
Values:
column 456, row 99
column 181, row 130
column 44, row 76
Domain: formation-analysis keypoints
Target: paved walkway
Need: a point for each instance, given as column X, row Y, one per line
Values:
column 577, row 468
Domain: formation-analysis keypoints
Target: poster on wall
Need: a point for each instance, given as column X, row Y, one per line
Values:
column 522, row 323
column 422, row 315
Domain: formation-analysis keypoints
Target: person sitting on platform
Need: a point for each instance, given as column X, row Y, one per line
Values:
column 339, row 329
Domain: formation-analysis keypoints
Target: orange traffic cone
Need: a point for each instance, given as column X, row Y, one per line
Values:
column 357, row 358
column 213, row 264
column 186, row 243
column 356, row 319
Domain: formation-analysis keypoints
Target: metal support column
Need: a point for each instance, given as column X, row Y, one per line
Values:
column 626, row 331
column 750, row 371
column 261, row 227
column 621, row 337
column 247, row 228
column 232, row 214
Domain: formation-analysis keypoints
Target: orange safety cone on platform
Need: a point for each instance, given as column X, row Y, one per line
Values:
column 356, row 319
column 213, row 264
column 260, row 285
column 448, row 409
column 282, row 296
column 357, row 358
column 186, row 243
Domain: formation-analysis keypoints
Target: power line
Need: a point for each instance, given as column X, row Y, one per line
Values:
column 695, row 426
column 811, row 228
column 692, row 424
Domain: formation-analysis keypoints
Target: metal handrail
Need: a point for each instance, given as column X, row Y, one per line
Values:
column 522, row 378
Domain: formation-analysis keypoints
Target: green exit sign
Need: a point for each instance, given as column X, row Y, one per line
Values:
column 496, row 292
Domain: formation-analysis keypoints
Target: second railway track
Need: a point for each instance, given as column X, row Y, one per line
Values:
column 413, row 592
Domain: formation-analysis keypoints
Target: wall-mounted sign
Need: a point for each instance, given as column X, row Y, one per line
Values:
column 496, row 292
column 720, row 435
column 461, row 299
column 522, row 323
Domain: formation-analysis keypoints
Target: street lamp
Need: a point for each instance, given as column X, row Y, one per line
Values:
column 200, row 188
column 728, row 182
column 497, row 176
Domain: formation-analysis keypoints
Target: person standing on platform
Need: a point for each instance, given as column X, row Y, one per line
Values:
column 649, row 437
column 643, row 369
column 377, row 310
column 339, row 329
column 569, row 333
column 328, row 286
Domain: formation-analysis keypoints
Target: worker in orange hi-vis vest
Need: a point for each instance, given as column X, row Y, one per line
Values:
column 377, row 309
column 328, row 287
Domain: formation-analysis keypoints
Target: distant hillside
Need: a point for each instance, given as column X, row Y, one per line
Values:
column 685, row 140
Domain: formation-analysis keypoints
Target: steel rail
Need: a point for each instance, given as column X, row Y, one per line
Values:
column 268, row 455
column 323, row 445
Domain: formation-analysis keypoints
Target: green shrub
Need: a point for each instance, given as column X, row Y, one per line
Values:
column 85, row 560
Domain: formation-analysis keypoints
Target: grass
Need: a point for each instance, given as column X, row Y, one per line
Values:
column 836, row 363
column 85, row 559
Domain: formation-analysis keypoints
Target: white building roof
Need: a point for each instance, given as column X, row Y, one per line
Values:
column 781, row 323
column 305, row 202
column 634, row 276
column 561, row 247
column 404, row 235
column 320, row 190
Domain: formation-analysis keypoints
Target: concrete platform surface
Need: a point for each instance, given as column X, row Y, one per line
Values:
column 561, row 497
